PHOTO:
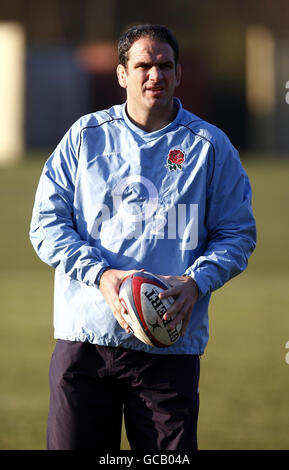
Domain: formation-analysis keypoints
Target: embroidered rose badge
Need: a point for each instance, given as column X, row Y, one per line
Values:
column 175, row 160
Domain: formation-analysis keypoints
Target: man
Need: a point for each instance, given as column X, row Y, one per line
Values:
column 143, row 185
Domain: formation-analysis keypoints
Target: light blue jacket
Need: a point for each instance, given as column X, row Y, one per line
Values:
column 172, row 201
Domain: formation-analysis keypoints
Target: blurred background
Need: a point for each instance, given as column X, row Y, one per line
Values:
column 57, row 62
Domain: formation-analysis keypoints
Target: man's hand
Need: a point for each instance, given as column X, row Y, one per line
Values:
column 186, row 292
column 109, row 284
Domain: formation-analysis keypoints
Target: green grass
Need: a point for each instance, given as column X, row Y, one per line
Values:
column 244, row 376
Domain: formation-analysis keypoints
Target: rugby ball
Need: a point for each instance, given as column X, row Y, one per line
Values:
column 144, row 311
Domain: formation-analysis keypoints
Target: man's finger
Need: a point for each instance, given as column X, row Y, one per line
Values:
column 184, row 316
column 119, row 310
column 119, row 317
column 174, row 309
column 170, row 292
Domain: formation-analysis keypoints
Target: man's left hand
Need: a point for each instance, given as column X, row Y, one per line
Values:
column 186, row 292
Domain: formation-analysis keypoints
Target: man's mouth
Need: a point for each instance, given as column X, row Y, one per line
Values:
column 155, row 90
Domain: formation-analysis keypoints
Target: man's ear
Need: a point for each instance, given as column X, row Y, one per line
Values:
column 121, row 75
column 178, row 74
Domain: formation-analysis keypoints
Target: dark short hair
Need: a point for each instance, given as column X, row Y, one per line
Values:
column 154, row 31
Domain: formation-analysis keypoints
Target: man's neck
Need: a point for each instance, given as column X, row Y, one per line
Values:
column 153, row 120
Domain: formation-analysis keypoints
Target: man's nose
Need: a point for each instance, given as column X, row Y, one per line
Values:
column 155, row 73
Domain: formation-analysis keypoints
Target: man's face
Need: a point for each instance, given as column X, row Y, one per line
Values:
column 150, row 76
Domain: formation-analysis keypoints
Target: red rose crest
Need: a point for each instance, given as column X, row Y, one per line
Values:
column 175, row 160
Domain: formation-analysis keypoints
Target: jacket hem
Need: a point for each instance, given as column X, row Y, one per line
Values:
column 136, row 345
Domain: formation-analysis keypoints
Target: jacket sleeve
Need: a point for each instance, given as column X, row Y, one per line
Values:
column 53, row 231
column 229, row 221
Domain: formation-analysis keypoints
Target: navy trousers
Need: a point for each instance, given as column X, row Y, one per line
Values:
column 92, row 387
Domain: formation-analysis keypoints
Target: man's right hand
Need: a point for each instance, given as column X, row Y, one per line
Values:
column 109, row 285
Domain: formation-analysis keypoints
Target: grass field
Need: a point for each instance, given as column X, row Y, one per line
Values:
column 244, row 376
